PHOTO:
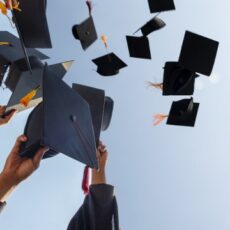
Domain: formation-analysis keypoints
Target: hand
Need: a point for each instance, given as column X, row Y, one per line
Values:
column 16, row 168
column 98, row 176
column 5, row 119
column 102, row 155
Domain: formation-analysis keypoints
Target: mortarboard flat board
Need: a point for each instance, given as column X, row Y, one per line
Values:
column 138, row 47
column 32, row 24
column 101, row 107
column 85, row 32
column 109, row 64
column 183, row 113
column 96, row 99
column 14, row 52
column 198, row 53
column 161, row 5
column 62, row 122
column 21, row 82
column 151, row 26
column 177, row 80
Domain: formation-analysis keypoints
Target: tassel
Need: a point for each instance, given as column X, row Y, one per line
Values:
column 104, row 40
column 155, row 85
column 159, row 118
column 26, row 100
column 5, row 44
column 3, row 8
column 90, row 6
column 85, row 180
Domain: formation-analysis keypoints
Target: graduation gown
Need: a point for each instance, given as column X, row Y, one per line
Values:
column 98, row 212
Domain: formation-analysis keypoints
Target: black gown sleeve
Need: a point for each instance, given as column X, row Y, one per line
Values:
column 98, row 212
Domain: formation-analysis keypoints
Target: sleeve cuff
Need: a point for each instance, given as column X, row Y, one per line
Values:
column 102, row 193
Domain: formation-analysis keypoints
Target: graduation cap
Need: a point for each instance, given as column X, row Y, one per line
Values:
column 109, row 64
column 161, row 5
column 21, row 82
column 85, row 32
column 31, row 24
column 178, row 80
column 13, row 52
column 62, row 122
column 101, row 107
column 152, row 25
column 138, row 47
column 183, row 113
column 198, row 53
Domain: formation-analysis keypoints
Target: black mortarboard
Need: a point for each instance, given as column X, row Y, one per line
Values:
column 32, row 24
column 198, row 53
column 161, row 5
column 21, row 82
column 183, row 113
column 139, row 47
column 178, row 80
column 85, row 32
column 62, row 122
column 13, row 52
column 109, row 64
column 151, row 26
column 101, row 107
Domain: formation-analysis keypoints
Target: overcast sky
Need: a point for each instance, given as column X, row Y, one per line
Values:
column 166, row 177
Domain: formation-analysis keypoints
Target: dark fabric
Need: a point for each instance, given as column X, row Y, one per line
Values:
column 98, row 212
column 2, row 206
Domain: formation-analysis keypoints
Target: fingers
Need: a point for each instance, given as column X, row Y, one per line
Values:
column 102, row 148
column 18, row 143
column 38, row 156
column 2, row 110
column 8, row 117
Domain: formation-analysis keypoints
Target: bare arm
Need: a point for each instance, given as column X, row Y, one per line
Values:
column 99, row 176
column 17, row 169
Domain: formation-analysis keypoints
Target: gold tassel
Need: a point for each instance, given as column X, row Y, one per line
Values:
column 5, row 44
column 158, row 118
column 155, row 85
column 104, row 40
column 26, row 100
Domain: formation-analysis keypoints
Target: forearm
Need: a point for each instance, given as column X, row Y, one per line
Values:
column 98, row 177
column 6, row 188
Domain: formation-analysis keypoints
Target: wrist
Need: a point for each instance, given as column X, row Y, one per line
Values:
column 98, row 177
column 6, row 181
column 6, row 187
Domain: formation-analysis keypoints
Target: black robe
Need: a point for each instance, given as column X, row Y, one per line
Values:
column 98, row 212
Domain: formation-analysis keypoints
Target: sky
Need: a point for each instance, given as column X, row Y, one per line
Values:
column 165, row 177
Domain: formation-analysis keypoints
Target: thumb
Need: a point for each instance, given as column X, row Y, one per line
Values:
column 38, row 156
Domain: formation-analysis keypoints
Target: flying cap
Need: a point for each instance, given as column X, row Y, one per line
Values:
column 138, row 47
column 62, row 122
column 161, row 5
column 183, row 113
column 198, row 53
column 178, row 80
column 13, row 52
column 85, row 32
column 21, row 82
column 152, row 25
column 101, row 107
column 31, row 24
column 109, row 64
